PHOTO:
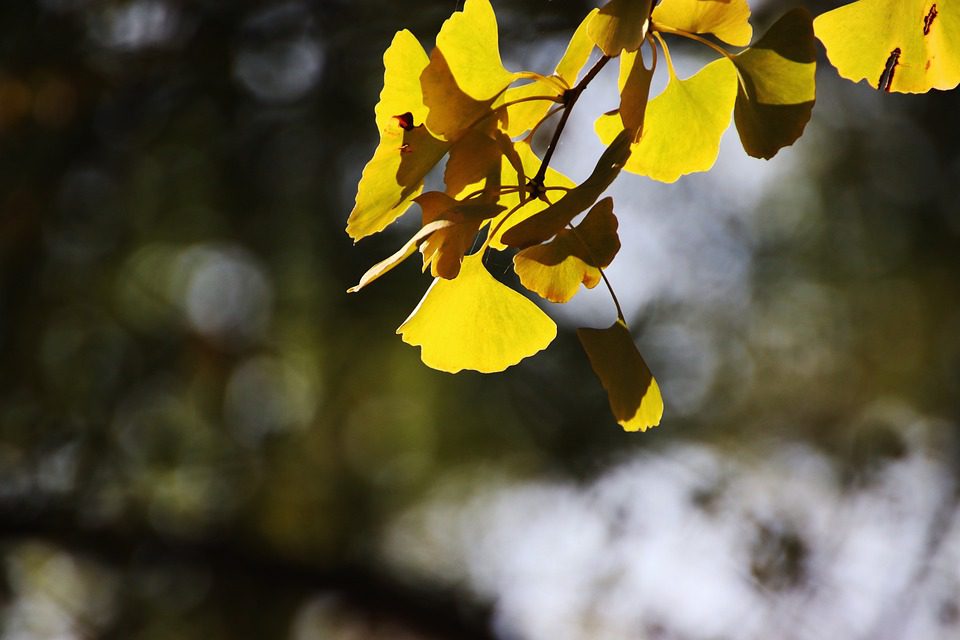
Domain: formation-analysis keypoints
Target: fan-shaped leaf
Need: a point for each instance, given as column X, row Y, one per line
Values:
column 634, row 394
column 477, row 323
column 779, row 73
column 620, row 25
column 683, row 125
column 729, row 20
column 406, row 152
column 556, row 269
column 908, row 46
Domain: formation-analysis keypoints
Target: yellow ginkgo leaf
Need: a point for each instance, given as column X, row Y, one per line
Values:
column 470, row 43
column 451, row 111
column 907, row 46
column 633, row 392
column 578, row 52
column 728, row 20
column 620, row 25
column 779, row 86
column 475, row 158
column 683, row 125
column 475, row 322
column 443, row 250
column 547, row 223
column 556, row 270
column 406, row 152
column 525, row 115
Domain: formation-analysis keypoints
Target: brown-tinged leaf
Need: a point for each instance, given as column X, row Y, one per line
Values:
column 776, row 98
column 555, row 270
column 633, row 391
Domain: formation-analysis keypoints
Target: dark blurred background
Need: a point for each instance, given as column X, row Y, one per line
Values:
column 203, row 436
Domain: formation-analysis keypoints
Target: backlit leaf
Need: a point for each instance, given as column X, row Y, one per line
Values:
column 451, row 110
column 406, row 151
column 683, row 125
column 633, row 392
column 779, row 73
column 908, row 46
column 578, row 52
column 474, row 159
column 523, row 117
column 547, row 223
column 620, row 25
column 728, row 20
column 475, row 322
column 634, row 92
column 555, row 270
column 470, row 43
column 465, row 75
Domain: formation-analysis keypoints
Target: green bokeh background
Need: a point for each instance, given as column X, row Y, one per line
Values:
column 196, row 419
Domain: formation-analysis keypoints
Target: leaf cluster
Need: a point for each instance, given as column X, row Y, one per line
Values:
column 460, row 105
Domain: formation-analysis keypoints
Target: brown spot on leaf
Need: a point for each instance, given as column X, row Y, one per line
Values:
column 886, row 78
column 929, row 18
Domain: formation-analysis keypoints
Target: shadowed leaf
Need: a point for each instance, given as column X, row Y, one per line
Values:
column 779, row 73
column 620, row 25
column 634, row 93
column 444, row 250
column 406, row 152
column 556, row 269
column 633, row 392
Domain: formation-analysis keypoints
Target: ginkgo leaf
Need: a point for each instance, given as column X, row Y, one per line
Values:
column 465, row 75
column 470, row 43
column 578, row 52
column 406, row 151
column 683, row 125
column 907, row 46
column 620, row 25
column 556, row 270
column 475, row 158
column 778, row 72
column 407, row 250
column 451, row 111
column 728, row 20
column 633, row 392
column 547, row 223
column 634, row 92
column 475, row 322
column 524, row 116
column 444, row 250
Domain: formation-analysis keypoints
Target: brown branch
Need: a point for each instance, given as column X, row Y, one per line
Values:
column 569, row 99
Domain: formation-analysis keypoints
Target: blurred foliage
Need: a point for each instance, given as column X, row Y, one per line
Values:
column 200, row 431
